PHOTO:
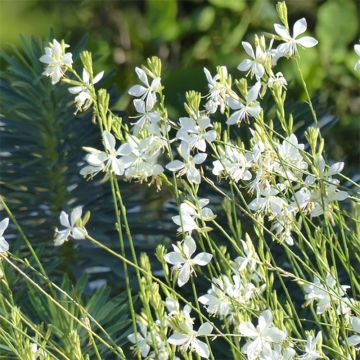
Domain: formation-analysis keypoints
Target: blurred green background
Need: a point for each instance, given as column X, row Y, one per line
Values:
column 191, row 34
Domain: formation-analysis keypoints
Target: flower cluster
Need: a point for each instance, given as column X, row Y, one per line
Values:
column 273, row 178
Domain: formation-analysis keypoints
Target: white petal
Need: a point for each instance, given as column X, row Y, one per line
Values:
column 109, row 141
column 340, row 196
column 253, row 92
column 281, row 31
column 276, row 335
column 64, row 219
column 202, row 259
column 184, row 275
column 193, row 175
column 245, row 65
column 354, row 340
column 142, row 76
column 201, row 348
column 117, row 166
column 139, row 105
column 265, row 319
column 137, row 90
column 355, row 323
column 189, row 246
column 200, row 158
column 174, row 258
column 205, row 329
column 248, row 48
column 98, row 77
column 208, row 75
column 4, row 246
column 78, row 233
column 75, row 89
column 3, row 225
column 178, row 339
column 85, row 76
column 299, row 27
column 336, row 168
column 175, row 165
column 248, row 329
column 307, row 41
column 75, row 215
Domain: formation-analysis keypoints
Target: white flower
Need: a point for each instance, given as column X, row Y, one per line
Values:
column 147, row 119
column 72, row 228
column 147, row 339
column 146, row 91
column 255, row 64
column 323, row 200
column 4, row 246
column 141, row 156
column 233, row 163
column 188, row 340
column 249, row 260
column 219, row 88
column 289, row 48
column 357, row 51
column 228, row 295
column 187, row 167
column 312, row 344
column 182, row 261
column 278, row 353
column 195, row 133
column 189, row 213
column 104, row 160
column 57, row 60
column 277, row 80
column 324, row 294
column 354, row 340
column 291, row 164
column 267, row 201
column 250, row 108
column 262, row 336
column 283, row 223
column 83, row 99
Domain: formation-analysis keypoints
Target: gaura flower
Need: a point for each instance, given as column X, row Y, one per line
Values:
column 57, row 60
column 188, row 339
column 289, row 48
column 146, row 119
column 183, row 261
column 255, row 64
column 83, row 98
column 311, row 348
column 104, row 160
column 72, row 228
column 187, row 167
column 189, row 214
column 250, row 108
column 4, row 246
column 146, row 91
column 261, row 336
column 195, row 133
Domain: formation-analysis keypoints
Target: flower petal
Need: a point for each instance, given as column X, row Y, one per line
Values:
column 299, row 27
column 75, row 215
column 307, row 41
column 109, row 141
column 202, row 259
